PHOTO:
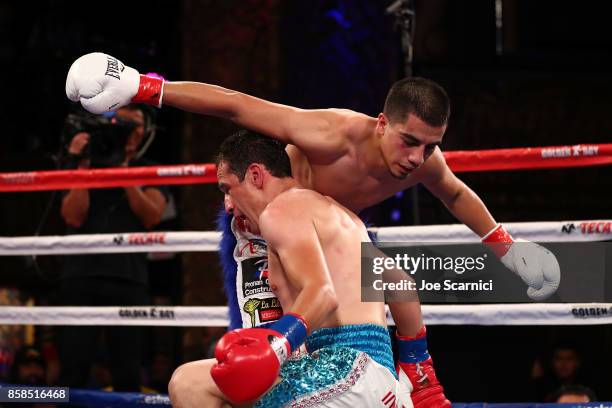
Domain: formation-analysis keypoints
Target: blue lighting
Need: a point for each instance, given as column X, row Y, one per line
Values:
column 396, row 215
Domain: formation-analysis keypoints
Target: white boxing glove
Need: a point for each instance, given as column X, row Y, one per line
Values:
column 533, row 263
column 103, row 83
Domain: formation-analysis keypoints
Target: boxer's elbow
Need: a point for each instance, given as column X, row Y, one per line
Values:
column 451, row 200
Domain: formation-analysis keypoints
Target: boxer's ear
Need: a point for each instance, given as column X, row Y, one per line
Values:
column 255, row 174
column 381, row 124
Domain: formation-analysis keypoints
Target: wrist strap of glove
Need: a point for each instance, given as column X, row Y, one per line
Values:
column 293, row 327
column 412, row 349
column 499, row 240
column 150, row 91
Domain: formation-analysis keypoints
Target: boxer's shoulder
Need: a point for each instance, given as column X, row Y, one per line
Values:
column 291, row 202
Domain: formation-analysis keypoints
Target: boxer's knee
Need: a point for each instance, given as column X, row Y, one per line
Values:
column 192, row 386
column 177, row 385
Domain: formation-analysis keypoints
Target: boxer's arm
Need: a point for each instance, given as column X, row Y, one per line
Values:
column 319, row 132
column 460, row 200
column 291, row 234
column 102, row 83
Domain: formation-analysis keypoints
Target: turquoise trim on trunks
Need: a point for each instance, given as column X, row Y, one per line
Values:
column 372, row 339
column 309, row 374
column 333, row 354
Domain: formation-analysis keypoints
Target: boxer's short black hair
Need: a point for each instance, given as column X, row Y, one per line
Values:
column 245, row 147
column 420, row 97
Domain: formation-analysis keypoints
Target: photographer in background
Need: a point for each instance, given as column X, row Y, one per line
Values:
column 107, row 279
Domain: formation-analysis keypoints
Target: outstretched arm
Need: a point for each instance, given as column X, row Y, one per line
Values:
column 102, row 83
column 319, row 130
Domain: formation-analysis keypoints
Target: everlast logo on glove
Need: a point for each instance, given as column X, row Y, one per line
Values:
column 113, row 67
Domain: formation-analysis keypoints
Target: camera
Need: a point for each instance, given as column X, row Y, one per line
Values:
column 108, row 135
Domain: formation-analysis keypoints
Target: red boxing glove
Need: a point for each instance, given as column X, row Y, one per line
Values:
column 249, row 360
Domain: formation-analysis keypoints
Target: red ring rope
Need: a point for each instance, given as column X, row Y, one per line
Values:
column 459, row 161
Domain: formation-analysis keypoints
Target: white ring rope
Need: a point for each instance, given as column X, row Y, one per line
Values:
column 216, row 316
column 208, row 241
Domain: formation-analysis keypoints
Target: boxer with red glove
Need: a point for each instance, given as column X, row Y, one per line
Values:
column 415, row 363
column 249, row 360
column 103, row 83
column 533, row 263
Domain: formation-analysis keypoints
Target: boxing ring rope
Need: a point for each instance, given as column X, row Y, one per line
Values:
column 208, row 241
column 519, row 314
column 528, row 158
column 497, row 314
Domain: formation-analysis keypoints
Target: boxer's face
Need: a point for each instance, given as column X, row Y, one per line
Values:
column 241, row 198
column 406, row 145
column 243, row 222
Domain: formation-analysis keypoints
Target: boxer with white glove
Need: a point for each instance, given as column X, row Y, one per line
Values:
column 103, row 83
column 533, row 263
column 249, row 360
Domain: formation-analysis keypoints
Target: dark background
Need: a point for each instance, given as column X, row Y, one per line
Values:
column 549, row 85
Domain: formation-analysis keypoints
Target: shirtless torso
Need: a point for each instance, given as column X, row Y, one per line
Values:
column 350, row 175
column 340, row 234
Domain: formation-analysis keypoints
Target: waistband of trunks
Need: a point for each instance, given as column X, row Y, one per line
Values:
column 368, row 338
